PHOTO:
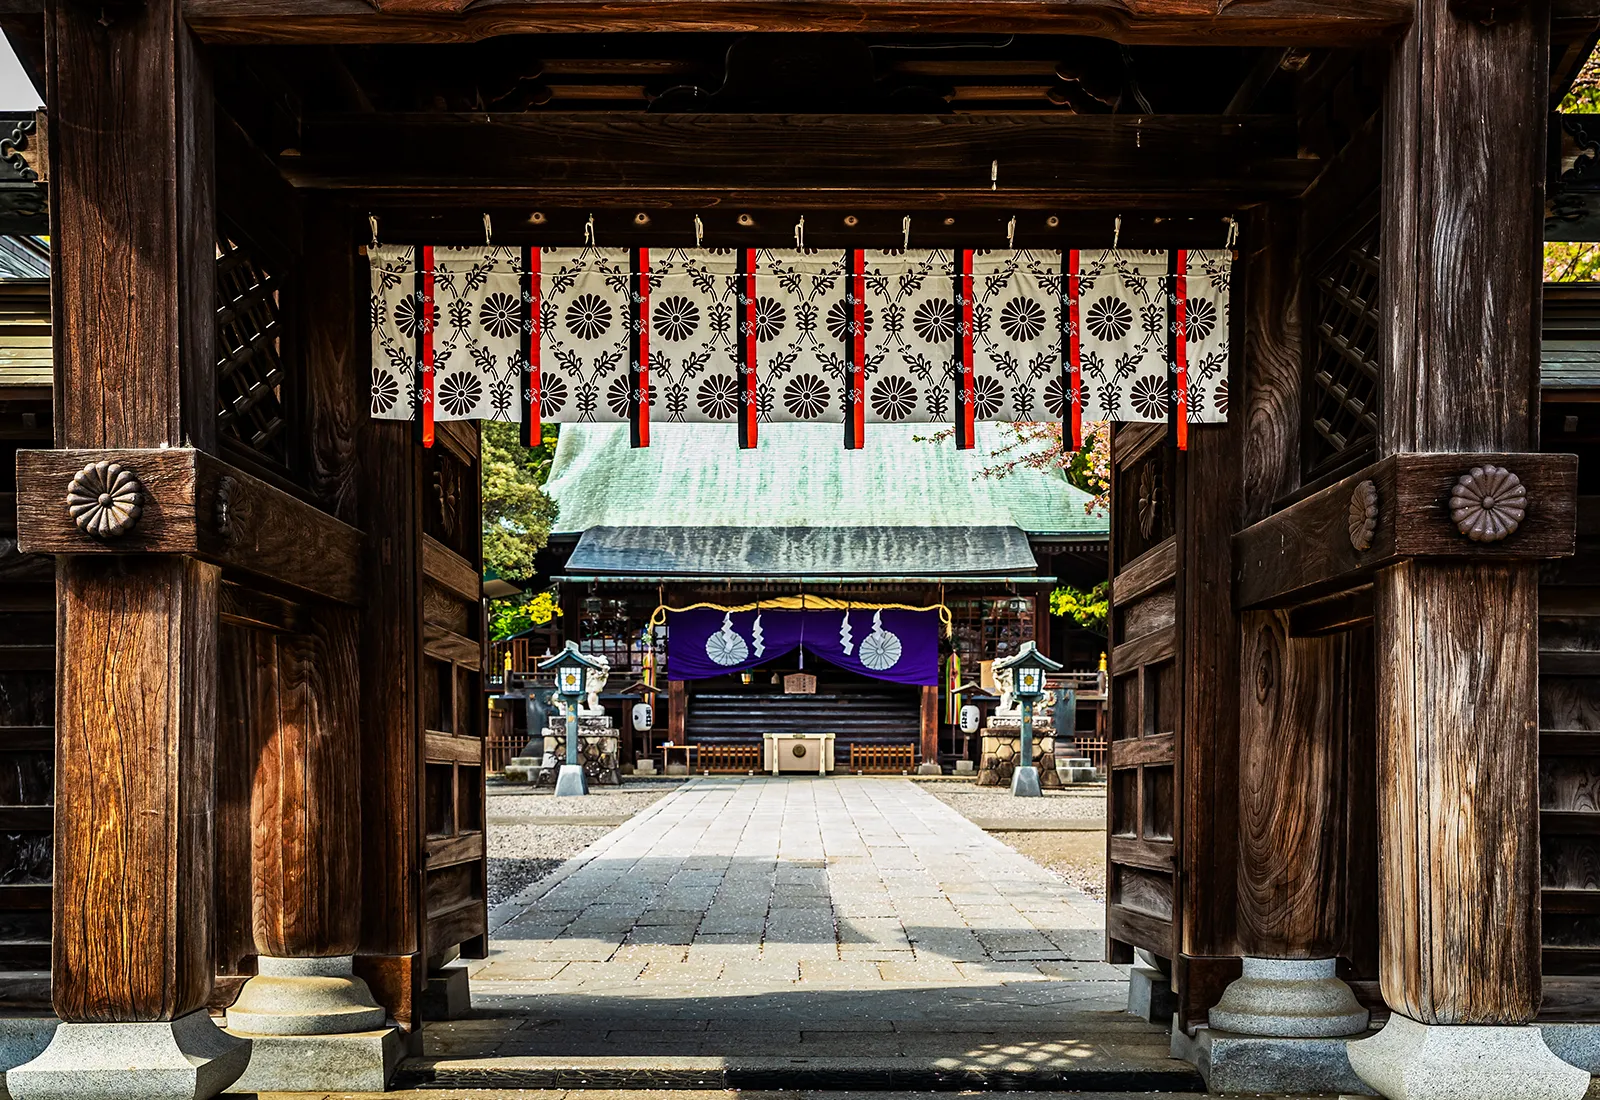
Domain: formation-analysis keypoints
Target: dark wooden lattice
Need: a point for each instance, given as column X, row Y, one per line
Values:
column 251, row 378
column 1344, row 382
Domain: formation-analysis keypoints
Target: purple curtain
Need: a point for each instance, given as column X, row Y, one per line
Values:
column 898, row 646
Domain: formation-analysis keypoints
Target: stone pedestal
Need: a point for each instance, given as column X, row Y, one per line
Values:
column 522, row 769
column 189, row 1058
column 447, row 994
column 928, row 767
column 313, row 1025
column 571, row 780
column 966, row 767
column 645, row 765
column 1150, row 995
column 1253, row 1064
column 1289, row 998
column 599, row 747
column 1001, row 747
column 1025, row 782
column 1412, row 1061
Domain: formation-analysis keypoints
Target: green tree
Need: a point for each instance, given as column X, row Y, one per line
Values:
column 517, row 513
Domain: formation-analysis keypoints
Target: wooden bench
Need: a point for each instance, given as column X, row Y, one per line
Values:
column 729, row 759
column 883, row 759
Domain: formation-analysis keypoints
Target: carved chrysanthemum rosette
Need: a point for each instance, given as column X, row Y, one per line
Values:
column 1488, row 503
column 105, row 499
column 1149, row 501
column 1363, row 515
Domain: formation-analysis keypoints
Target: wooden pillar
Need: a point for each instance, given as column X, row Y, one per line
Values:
column 1457, row 654
column 930, row 724
column 132, row 223
column 677, row 710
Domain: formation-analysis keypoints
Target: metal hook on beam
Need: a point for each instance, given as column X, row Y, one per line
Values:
column 800, row 233
column 1011, row 233
column 372, row 222
column 1116, row 234
column 905, row 232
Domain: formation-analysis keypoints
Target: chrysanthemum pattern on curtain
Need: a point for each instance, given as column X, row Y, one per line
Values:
column 588, row 308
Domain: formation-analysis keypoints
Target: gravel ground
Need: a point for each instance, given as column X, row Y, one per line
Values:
column 1078, row 857
column 996, row 803
column 526, row 845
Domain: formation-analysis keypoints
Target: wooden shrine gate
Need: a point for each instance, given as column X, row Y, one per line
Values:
column 1325, row 691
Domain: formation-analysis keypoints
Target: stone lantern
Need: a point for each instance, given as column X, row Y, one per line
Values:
column 1027, row 667
column 573, row 670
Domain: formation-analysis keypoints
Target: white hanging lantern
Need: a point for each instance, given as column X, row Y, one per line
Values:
column 643, row 716
column 969, row 719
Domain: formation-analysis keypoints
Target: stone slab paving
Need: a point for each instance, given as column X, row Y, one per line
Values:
column 764, row 922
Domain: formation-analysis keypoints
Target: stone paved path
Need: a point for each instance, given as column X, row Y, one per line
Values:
column 850, row 918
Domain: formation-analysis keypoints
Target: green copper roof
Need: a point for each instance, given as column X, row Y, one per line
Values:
column 695, row 475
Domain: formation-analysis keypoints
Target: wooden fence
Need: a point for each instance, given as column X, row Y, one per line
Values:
column 883, row 759
column 729, row 759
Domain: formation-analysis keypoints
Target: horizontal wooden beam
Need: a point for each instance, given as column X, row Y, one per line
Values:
column 1307, row 551
column 197, row 505
column 554, row 158
column 1168, row 22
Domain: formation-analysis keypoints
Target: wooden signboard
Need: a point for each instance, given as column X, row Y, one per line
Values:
column 799, row 683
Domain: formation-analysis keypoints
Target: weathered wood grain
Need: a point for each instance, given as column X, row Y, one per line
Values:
column 1292, row 796
column 132, row 225
column 334, row 400
column 1457, row 648
column 450, row 569
column 389, row 506
column 928, row 728
column 136, row 729
column 234, row 769
column 1172, row 22
column 1146, row 573
column 1457, row 800
column 446, row 645
column 304, row 810
column 270, row 533
column 1270, row 402
column 1150, row 155
column 1304, row 551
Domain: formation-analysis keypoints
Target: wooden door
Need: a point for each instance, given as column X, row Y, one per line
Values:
column 455, row 889
column 1146, row 701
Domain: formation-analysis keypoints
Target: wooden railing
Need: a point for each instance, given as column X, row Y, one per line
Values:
column 499, row 750
column 729, row 759
column 1092, row 747
column 883, row 759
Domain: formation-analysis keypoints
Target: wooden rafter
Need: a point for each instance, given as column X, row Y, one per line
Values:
column 1171, row 22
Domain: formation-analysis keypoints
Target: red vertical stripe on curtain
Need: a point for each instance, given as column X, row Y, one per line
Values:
column 749, row 393
column 532, row 428
column 965, row 411
column 1074, row 353
column 1180, row 336
column 424, row 367
column 855, row 409
column 639, row 367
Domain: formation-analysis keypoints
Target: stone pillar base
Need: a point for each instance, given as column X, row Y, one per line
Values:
column 1150, row 995
column 1255, row 1064
column 570, row 780
column 928, row 767
column 319, row 996
column 189, row 1058
column 362, row 1062
column 1412, row 1061
column 447, row 995
column 1025, row 782
column 1289, row 998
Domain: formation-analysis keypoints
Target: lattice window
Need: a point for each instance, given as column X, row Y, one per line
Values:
column 251, row 379
column 1344, row 383
column 985, row 630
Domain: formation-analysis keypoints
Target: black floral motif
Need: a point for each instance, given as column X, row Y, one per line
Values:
column 460, row 314
column 677, row 401
column 501, row 315
column 894, row 398
column 619, row 397
column 806, row 397
column 676, row 318
column 935, row 320
column 805, row 318
column 770, row 316
column 839, row 320
column 937, row 400
column 552, row 395
column 765, row 401
column 987, row 394
column 1022, row 319
column 1149, row 397
column 1057, row 396
column 719, row 397
column 1219, row 399
column 460, row 392
column 384, row 390
column 408, row 316
column 1199, row 318
column 589, row 316
column 1109, row 319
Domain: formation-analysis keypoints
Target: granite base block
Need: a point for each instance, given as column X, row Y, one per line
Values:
column 1257, row 1064
column 571, row 780
column 966, row 767
column 22, row 1039
column 189, row 1058
column 1408, row 1060
column 304, row 996
column 929, row 768
column 363, row 1062
column 1150, row 995
column 447, row 995
column 1575, row 1044
column 1294, row 998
